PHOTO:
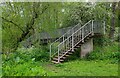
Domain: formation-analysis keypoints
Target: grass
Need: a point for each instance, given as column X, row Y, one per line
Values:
column 82, row 68
column 71, row 68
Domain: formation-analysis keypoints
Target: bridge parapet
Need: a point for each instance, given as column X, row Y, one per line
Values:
column 99, row 27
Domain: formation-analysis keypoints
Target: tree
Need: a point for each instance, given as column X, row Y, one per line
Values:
column 21, row 20
column 112, row 27
column 119, row 22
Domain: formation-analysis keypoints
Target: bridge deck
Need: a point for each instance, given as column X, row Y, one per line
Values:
column 44, row 37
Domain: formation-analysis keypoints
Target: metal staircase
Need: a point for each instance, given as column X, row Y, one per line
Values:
column 70, row 41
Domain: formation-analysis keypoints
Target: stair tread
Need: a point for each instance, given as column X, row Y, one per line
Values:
column 55, row 58
column 77, row 46
column 69, row 50
column 63, row 58
column 69, row 53
column 55, row 62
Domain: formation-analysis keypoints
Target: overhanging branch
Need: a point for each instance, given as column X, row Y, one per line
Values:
column 12, row 23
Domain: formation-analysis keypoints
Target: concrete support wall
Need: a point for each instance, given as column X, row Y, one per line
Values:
column 87, row 47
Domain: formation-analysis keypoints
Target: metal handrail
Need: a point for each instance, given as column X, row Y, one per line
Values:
column 73, row 39
column 73, row 45
column 75, row 32
column 65, row 34
column 62, row 40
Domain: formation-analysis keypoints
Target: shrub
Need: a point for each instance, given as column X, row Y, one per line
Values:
column 25, row 69
column 37, row 54
column 109, row 52
column 25, row 61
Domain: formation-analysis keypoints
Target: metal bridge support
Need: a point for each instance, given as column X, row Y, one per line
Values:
column 86, row 48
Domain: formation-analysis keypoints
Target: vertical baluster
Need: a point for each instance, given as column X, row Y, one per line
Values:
column 58, row 55
column 78, row 34
column 63, row 42
column 89, row 28
column 104, row 27
column 92, row 28
column 66, row 46
column 82, row 34
column 50, row 51
column 86, row 30
column 77, row 37
column 69, row 43
column 72, row 41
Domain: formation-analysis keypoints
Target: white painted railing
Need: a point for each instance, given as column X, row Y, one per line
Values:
column 70, row 39
column 54, row 45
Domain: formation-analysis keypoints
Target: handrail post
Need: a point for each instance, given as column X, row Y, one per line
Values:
column 50, row 51
column 72, row 40
column 92, row 28
column 63, row 40
column 82, row 34
column 104, row 27
column 58, row 55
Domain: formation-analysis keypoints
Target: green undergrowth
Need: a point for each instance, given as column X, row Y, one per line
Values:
column 29, row 68
column 25, row 61
column 109, row 52
column 103, row 61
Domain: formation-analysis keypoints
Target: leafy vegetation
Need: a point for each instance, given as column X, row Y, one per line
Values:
column 34, row 62
column 22, row 20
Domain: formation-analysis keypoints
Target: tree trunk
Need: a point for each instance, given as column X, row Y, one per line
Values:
column 119, row 21
column 112, row 28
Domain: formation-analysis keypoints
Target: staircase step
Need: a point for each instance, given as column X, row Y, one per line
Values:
column 77, row 46
column 61, row 60
column 60, row 54
column 55, row 62
column 90, row 36
column 63, row 57
column 69, row 50
column 67, row 55
column 55, row 58
column 70, row 53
